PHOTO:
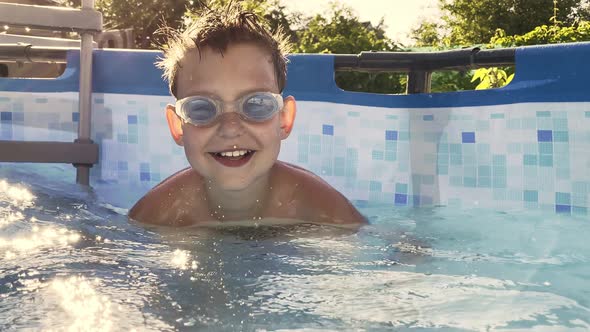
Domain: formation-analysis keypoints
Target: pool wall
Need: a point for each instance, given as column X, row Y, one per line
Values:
column 526, row 145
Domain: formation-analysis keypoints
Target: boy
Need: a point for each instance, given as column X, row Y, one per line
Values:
column 226, row 72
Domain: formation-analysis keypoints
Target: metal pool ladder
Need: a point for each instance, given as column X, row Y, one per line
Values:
column 83, row 152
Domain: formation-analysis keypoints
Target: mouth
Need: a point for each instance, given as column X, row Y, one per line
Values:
column 234, row 158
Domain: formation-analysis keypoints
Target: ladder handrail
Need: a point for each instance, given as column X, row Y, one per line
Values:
column 86, row 21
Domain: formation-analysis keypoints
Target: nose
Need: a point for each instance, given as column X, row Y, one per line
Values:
column 230, row 125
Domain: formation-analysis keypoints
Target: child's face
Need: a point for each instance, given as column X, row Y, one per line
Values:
column 243, row 68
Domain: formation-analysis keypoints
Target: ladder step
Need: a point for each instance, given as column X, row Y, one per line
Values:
column 85, row 153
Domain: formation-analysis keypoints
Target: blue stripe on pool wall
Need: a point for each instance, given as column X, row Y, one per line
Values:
column 541, row 76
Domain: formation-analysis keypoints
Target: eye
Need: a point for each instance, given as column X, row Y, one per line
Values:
column 260, row 107
column 199, row 110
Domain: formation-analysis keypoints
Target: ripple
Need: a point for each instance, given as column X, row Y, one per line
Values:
column 413, row 299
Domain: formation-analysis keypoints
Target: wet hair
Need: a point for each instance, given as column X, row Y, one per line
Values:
column 217, row 27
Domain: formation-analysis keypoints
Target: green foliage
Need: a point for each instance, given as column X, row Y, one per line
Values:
column 144, row 16
column 444, row 81
column 475, row 21
column 427, row 34
column 341, row 32
column 544, row 35
column 491, row 78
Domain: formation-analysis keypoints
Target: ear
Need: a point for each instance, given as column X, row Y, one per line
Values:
column 174, row 124
column 287, row 116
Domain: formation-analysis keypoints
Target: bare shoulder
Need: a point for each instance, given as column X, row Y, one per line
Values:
column 167, row 203
column 320, row 201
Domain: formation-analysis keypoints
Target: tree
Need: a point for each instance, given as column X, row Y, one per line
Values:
column 427, row 34
column 475, row 21
column 144, row 16
column 271, row 11
column 341, row 32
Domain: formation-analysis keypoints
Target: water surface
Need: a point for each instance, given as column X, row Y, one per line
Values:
column 68, row 262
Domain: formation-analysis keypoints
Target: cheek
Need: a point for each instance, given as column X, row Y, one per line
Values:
column 194, row 141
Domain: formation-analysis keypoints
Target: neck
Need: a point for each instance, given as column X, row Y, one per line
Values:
column 246, row 204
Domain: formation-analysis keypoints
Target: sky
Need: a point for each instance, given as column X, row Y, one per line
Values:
column 400, row 16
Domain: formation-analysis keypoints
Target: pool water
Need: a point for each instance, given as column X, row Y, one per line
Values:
column 68, row 262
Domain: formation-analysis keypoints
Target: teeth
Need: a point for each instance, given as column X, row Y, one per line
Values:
column 237, row 153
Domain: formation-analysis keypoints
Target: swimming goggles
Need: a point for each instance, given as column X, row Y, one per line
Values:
column 254, row 107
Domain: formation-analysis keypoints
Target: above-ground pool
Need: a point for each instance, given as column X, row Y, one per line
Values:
column 477, row 202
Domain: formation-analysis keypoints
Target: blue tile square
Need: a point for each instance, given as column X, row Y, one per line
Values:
column 6, row 116
column 428, row 117
column 567, row 209
column 497, row 116
column 144, row 167
column 468, row 137
column 328, row 130
column 391, row 135
column 401, row 199
column 144, row 176
column 75, row 116
column 544, row 135
column 131, row 119
column 543, row 114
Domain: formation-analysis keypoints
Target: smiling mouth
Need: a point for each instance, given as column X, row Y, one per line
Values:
column 234, row 158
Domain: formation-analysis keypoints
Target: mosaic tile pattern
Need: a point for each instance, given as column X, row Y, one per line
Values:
column 534, row 156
